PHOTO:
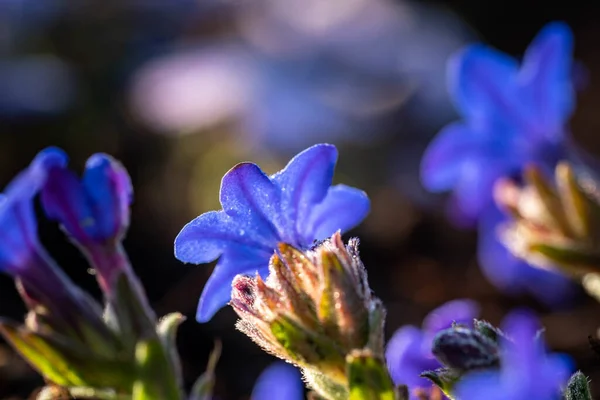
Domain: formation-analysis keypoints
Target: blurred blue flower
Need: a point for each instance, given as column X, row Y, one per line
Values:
column 513, row 115
column 297, row 206
column 279, row 381
column 408, row 352
column 527, row 371
column 95, row 208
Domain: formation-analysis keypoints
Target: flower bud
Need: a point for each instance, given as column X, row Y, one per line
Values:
column 464, row 349
column 314, row 309
column 555, row 225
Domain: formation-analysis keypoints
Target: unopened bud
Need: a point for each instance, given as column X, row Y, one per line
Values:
column 464, row 349
column 314, row 309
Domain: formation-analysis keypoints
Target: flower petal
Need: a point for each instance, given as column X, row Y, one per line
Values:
column 248, row 194
column 304, row 182
column 405, row 359
column 546, row 76
column 441, row 165
column 206, row 237
column 513, row 275
column 18, row 235
column 279, row 381
column 483, row 83
column 343, row 208
column 217, row 291
column 461, row 311
column 108, row 186
column 64, row 199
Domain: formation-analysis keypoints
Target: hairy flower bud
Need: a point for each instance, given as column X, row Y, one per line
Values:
column 465, row 349
column 555, row 225
column 314, row 308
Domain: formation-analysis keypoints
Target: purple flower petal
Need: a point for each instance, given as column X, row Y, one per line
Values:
column 406, row 360
column 461, row 311
column 279, row 381
column 442, row 164
column 342, row 209
column 304, row 182
column 547, row 75
column 248, row 194
column 217, row 291
column 206, row 237
column 512, row 274
column 17, row 218
column 108, row 186
column 481, row 80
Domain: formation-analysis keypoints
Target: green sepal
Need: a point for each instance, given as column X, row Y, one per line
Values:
column 204, row 385
column 323, row 386
column 368, row 378
column 153, row 381
column 572, row 261
column 578, row 388
column 444, row 378
column 167, row 332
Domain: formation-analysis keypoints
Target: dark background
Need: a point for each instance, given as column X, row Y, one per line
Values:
column 71, row 75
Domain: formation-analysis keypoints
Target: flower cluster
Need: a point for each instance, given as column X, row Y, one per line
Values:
column 299, row 290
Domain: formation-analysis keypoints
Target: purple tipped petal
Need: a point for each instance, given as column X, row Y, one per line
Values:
column 248, row 193
column 343, row 208
column 108, row 187
column 442, row 163
column 461, row 311
column 547, row 75
column 217, row 291
column 206, row 237
column 481, row 80
column 279, row 381
column 304, row 182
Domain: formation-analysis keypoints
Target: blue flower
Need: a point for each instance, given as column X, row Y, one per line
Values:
column 408, row 352
column 20, row 251
column 279, row 381
column 297, row 206
column 527, row 371
column 512, row 274
column 512, row 115
column 95, row 208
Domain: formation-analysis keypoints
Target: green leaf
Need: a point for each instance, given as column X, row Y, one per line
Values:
column 368, row 377
column 51, row 363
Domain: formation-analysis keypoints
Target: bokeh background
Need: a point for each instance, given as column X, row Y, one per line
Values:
column 181, row 90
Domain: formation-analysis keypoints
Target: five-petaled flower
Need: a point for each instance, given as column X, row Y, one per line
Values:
column 408, row 352
column 527, row 371
column 512, row 115
column 297, row 206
